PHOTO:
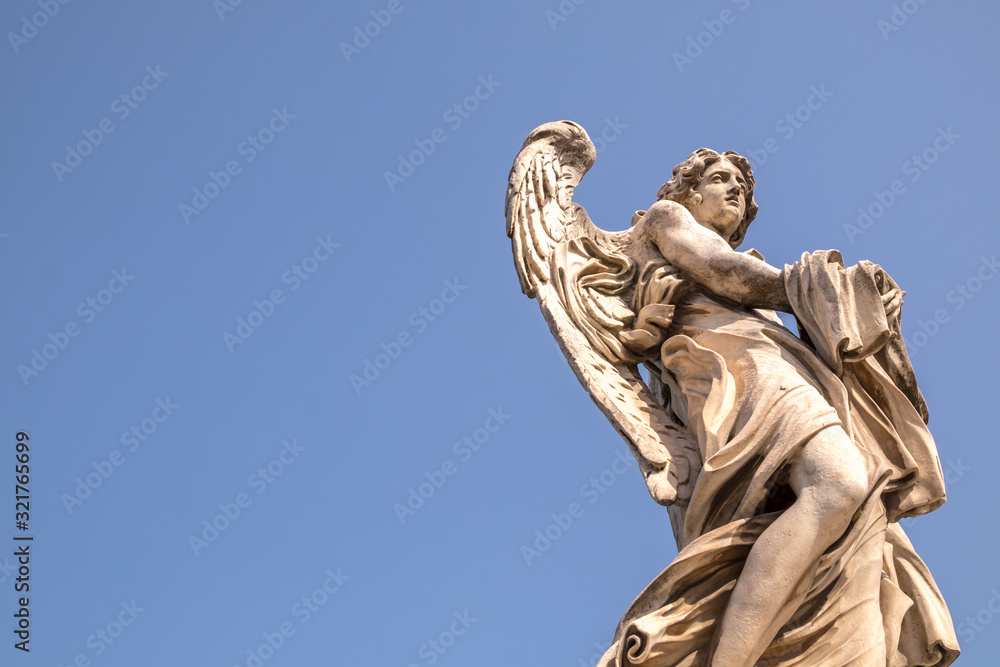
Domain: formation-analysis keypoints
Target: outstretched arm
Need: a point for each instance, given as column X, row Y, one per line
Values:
column 705, row 257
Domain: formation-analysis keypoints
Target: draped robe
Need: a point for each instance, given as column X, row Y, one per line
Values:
column 752, row 393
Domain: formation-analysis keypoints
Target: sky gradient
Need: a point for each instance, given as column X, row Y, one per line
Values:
column 264, row 330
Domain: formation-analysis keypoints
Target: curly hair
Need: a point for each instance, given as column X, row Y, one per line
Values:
column 688, row 174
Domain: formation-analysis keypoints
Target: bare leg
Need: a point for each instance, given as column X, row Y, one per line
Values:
column 830, row 483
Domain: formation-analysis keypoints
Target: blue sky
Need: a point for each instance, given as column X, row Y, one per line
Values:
column 206, row 173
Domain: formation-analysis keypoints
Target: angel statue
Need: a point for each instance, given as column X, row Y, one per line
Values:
column 786, row 461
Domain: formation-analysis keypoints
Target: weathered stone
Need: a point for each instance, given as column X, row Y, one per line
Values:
column 786, row 461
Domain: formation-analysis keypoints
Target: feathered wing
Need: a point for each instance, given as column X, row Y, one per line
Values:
column 583, row 279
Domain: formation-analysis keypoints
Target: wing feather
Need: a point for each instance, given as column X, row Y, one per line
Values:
column 581, row 278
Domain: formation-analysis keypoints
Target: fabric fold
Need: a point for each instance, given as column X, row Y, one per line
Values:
column 752, row 393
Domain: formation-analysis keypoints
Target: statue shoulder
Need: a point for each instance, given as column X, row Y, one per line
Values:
column 647, row 226
column 665, row 212
column 650, row 227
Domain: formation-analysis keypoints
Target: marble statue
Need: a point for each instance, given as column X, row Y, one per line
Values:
column 785, row 461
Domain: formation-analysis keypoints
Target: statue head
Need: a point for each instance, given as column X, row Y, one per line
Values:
column 686, row 179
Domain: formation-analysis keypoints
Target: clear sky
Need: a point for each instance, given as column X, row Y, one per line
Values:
column 215, row 214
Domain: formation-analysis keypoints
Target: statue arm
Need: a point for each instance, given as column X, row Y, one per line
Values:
column 704, row 257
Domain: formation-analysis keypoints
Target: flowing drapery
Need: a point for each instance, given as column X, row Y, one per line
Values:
column 753, row 394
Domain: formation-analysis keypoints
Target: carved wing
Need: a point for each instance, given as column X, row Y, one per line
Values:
column 583, row 279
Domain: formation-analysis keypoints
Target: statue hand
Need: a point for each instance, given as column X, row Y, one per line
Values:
column 892, row 301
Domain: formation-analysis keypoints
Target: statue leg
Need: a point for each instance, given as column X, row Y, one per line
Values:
column 830, row 482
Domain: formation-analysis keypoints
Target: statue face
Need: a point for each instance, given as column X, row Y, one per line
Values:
column 723, row 198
